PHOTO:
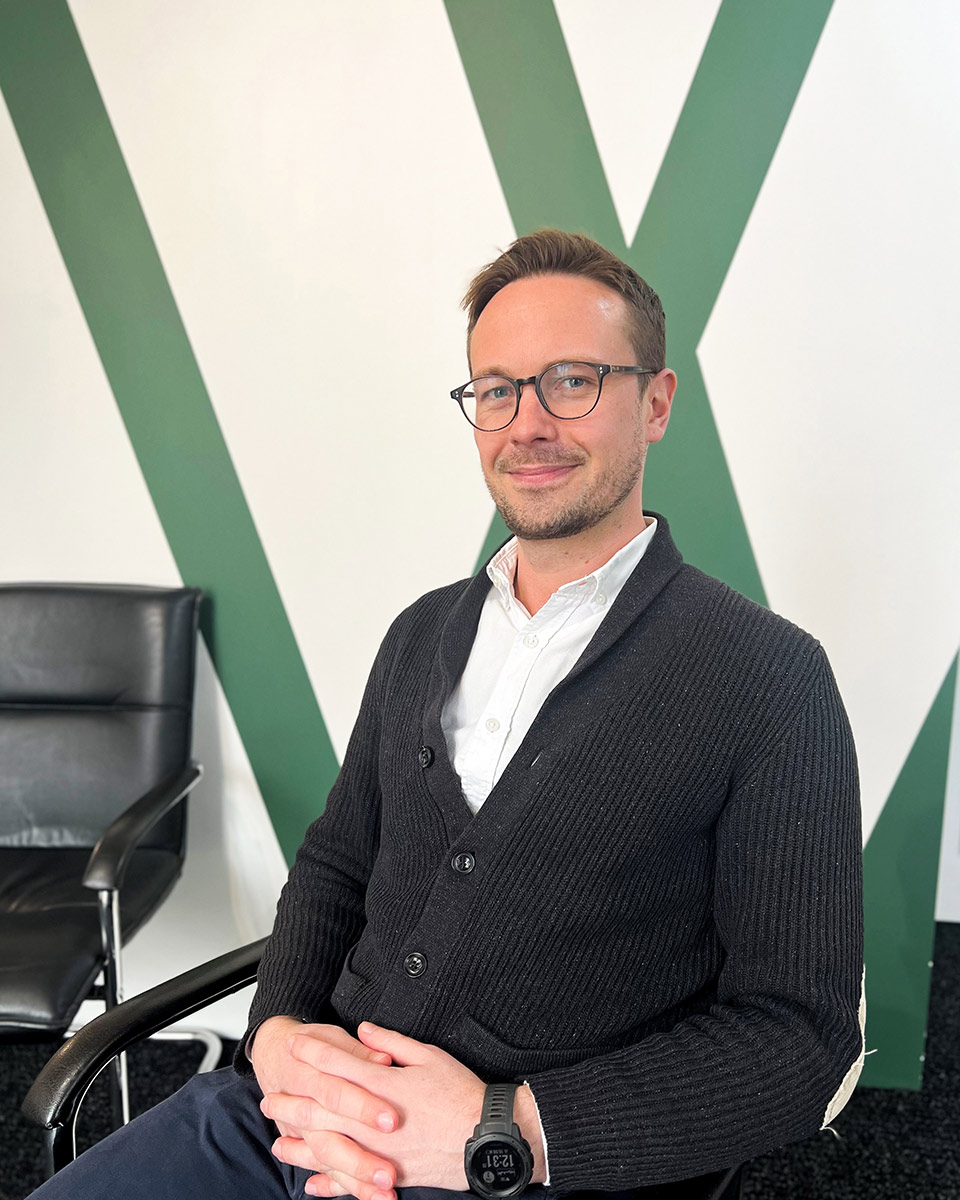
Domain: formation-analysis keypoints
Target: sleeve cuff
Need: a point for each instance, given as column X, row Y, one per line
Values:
column 543, row 1135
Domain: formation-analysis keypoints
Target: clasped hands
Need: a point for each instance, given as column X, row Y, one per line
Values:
column 370, row 1113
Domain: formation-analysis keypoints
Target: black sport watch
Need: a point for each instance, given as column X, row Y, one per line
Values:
column 497, row 1160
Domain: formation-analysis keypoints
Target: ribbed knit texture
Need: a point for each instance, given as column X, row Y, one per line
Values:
column 663, row 929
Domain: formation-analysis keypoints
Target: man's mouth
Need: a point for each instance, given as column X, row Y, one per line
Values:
column 540, row 472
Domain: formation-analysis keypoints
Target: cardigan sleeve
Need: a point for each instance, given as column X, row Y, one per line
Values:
column 777, row 1054
column 320, row 914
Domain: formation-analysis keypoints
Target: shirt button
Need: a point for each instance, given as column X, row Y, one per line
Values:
column 492, row 724
column 600, row 599
column 531, row 640
column 415, row 964
column 464, row 862
column 425, row 756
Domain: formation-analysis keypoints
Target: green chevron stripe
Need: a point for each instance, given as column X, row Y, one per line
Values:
column 533, row 117
column 126, row 300
column 900, row 866
column 537, row 129
column 729, row 128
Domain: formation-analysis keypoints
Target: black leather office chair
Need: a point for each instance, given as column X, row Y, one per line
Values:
column 96, row 702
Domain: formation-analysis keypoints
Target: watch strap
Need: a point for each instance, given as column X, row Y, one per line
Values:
column 496, row 1116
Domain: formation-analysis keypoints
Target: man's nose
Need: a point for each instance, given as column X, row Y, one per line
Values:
column 532, row 420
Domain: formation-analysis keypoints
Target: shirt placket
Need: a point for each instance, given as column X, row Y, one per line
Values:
column 493, row 729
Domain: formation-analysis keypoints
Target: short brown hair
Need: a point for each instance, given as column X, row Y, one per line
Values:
column 554, row 252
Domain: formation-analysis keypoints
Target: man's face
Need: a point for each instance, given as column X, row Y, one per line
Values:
column 552, row 478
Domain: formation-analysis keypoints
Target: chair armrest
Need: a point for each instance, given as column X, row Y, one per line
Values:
column 57, row 1091
column 109, row 858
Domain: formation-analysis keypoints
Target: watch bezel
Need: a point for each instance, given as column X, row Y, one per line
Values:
column 517, row 1144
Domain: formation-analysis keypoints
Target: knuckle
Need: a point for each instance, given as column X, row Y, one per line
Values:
column 303, row 1113
column 320, row 1141
column 363, row 1165
column 371, row 1166
column 311, row 1051
column 332, row 1093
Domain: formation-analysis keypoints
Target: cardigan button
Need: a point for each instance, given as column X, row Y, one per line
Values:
column 415, row 964
column 463, row 862
column 425, row 756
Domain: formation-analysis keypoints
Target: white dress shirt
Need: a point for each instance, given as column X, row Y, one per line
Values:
column 517, row 660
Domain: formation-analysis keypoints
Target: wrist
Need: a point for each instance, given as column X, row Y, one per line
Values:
column 268, row 1034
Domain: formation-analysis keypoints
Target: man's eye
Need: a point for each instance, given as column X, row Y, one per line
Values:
column 572, row 383
column 497, row 394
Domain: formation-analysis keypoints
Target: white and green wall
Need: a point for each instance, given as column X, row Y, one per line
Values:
column 233, row 236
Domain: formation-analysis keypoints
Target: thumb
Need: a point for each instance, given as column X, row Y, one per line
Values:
column 405, row 1051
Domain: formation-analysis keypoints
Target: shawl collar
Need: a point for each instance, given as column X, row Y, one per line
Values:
column 654, row 571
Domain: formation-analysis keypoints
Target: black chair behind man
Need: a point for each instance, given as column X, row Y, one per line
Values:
column 96, row 703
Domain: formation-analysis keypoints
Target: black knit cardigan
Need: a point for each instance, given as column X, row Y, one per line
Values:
column 662, row 930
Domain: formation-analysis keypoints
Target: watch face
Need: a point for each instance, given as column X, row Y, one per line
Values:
column 498, row 1166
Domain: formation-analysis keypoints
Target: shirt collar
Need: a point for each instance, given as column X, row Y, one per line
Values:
column 606, row 581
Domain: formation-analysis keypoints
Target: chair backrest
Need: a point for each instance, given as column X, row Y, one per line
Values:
column 96, row 703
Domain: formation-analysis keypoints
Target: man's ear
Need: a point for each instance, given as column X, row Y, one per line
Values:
column 657, row 400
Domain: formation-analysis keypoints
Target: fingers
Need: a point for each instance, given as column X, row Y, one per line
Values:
column 331, row 1059
column 323, row 1185
column 346, row 1164
column 340, row 1038
column 405, row 1051
column 278, row 1070
column 332, row 1184
column 330, row 1094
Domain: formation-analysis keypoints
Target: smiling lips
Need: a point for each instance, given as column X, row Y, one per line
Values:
column 540, row 472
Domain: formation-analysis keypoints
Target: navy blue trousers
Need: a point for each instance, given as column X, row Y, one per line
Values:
column 210, row 1141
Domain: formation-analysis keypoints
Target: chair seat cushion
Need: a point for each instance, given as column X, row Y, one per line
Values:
column 47, row 966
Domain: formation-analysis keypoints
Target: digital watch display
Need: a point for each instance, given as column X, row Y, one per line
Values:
column 497, row 1159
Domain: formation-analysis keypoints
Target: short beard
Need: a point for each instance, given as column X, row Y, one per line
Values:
column 584, row 513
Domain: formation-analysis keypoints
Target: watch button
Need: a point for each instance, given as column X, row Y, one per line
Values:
column 415, row 964
column 463, row 862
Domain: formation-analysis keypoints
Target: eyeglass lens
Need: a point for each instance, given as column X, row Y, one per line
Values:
column 568, row 390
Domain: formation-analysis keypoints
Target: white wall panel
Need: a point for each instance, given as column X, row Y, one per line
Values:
column 830, row 364
column 320, row 191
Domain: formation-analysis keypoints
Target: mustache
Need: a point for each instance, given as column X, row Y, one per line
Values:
column 546, row 456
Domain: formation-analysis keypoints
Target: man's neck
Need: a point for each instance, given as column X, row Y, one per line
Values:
column 544, row 566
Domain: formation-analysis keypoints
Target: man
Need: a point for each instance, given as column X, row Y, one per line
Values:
column 596, row 833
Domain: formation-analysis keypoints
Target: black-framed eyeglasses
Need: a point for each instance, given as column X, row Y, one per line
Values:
column 567, row 390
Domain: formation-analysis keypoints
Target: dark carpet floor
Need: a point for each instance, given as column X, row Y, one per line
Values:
column 890, row 1145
